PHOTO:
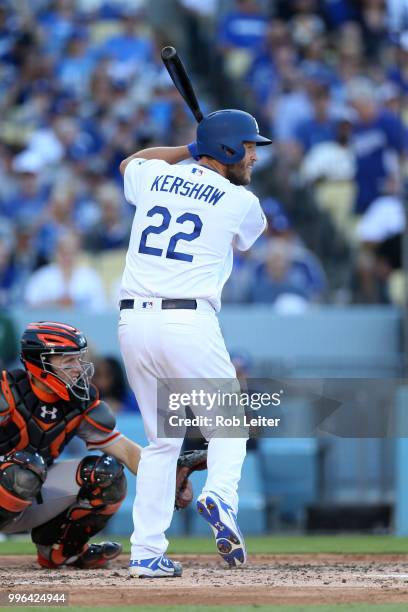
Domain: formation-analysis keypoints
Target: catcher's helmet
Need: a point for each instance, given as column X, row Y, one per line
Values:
column 221, row 135
column 70, row 378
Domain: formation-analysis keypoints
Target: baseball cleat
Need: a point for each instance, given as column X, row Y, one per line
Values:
column 156, row 567
column 98, row 555
column 222, row 520
column 94, row 556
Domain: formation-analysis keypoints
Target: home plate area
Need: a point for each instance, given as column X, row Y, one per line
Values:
column 278, row 579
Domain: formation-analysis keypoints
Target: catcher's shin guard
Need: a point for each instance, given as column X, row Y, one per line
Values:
column 22, row 475
column 103, row 487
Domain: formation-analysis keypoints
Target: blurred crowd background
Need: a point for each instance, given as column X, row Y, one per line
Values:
column 82, row 86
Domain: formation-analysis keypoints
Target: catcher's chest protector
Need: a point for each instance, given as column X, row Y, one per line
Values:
column 35, row 426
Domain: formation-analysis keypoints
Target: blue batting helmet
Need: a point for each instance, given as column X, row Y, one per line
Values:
column 221, row 135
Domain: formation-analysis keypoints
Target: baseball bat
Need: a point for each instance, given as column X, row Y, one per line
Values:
column 181, row 80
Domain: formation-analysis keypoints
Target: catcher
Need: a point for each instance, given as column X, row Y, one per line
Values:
column 41, row 409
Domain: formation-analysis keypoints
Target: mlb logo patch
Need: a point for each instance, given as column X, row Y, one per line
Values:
column 147, row 305
column 197, row 171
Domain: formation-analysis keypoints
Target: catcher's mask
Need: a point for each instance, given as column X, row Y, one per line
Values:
column 55, row 354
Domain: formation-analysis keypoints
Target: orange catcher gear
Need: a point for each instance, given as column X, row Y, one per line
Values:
column 69, row 375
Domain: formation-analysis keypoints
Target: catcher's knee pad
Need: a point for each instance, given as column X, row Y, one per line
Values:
column 22, row 475
column 103, row 488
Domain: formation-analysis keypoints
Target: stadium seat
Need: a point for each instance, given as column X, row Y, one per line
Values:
column 355, row 468
column 289, row 469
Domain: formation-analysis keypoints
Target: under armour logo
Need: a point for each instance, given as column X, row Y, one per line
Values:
column 46, row 413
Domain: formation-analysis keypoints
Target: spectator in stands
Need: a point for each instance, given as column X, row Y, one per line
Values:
column 350, row 61
column 333, row 158
column 330, row 167
column 280, row 230
column 113, row 228
column 321, row 127
column 129, row 49
column 7, row 182
column 390, row 98
column 111, row 382
column 368, row 285
column 339, row 12
column 283, row 274
column 380, row 234
column 374, row 27
column 291, row 107
column 241, row 34
column 57, row 218
column 75, row 68
column 379, row 140
column 398, row 71
column 199, row 22
column 66, row 282
column 274, row 69
column 385, row 218
column 78, row 142
column 31, row 194
column 57, row 22
column 7, row 267
column 26, row 258
column 306, row 25
column 397, row 15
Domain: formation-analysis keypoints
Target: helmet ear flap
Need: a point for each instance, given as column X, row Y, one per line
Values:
column 235, row 154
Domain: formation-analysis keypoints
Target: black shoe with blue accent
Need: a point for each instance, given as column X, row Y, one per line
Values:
column 222, row 520
column 156, row 567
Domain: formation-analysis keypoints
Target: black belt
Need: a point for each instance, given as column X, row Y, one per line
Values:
column 166, row 304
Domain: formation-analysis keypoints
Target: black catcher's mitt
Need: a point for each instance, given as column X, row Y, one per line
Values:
column 188, row 462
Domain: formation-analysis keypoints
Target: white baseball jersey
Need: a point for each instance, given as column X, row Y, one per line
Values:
column 186, row 222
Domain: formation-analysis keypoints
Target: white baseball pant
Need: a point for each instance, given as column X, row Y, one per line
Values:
column 173, row 344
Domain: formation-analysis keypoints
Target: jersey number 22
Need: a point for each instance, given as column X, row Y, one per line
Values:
column 171, row 252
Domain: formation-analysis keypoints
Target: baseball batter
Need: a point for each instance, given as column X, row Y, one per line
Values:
column 187, row 219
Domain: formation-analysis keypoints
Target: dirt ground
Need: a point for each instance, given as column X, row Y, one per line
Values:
column 277, row 579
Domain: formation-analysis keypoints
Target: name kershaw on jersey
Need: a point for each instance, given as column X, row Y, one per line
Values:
column 179, row 186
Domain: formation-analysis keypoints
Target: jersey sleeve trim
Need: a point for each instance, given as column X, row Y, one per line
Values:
column 108, row 440
column 96, row 425
column 92, row 406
